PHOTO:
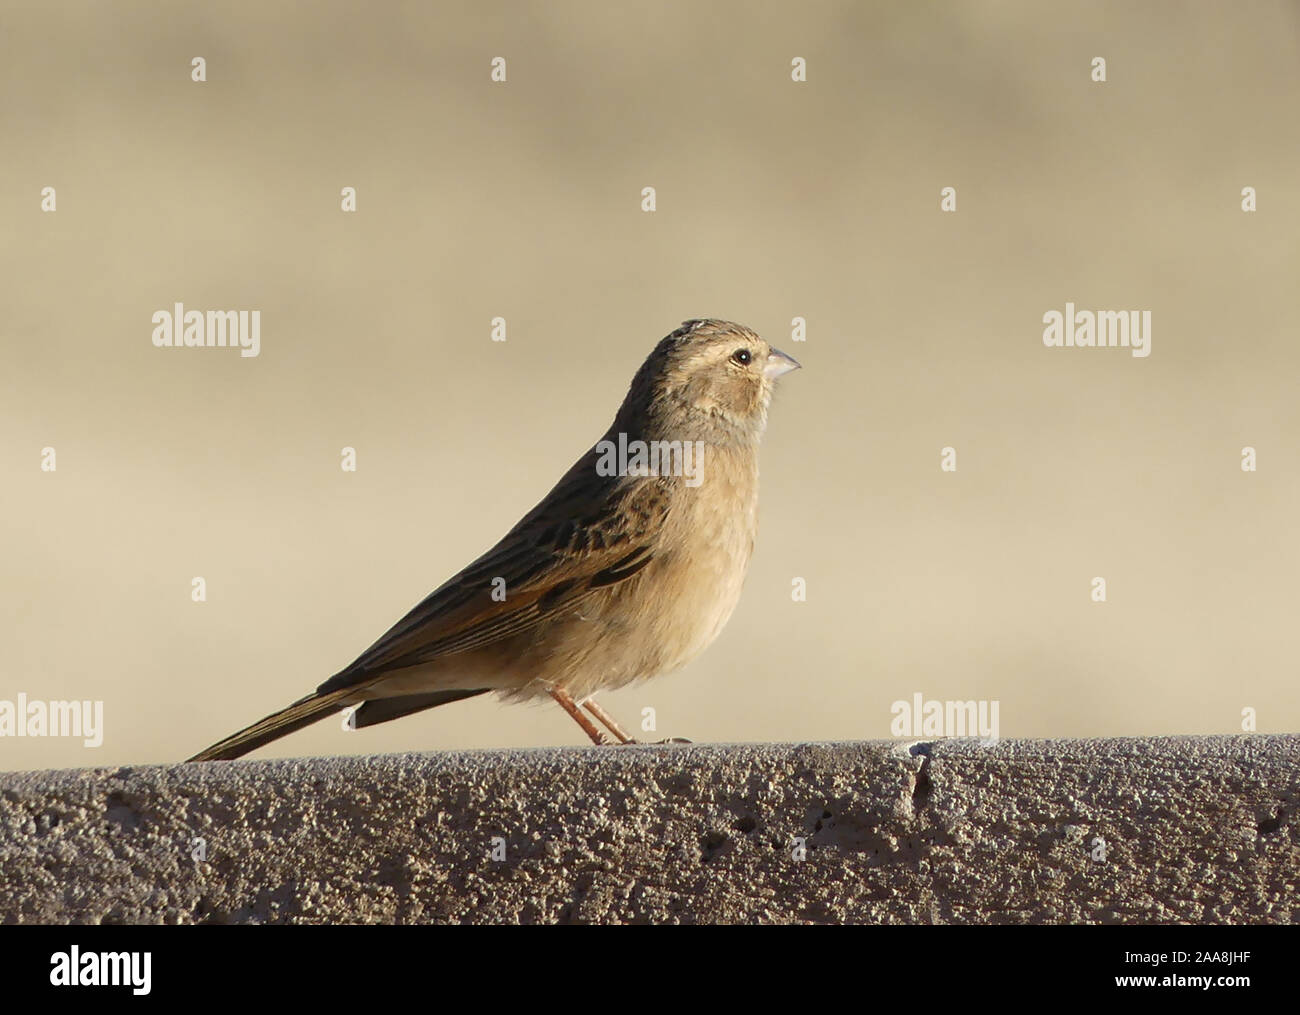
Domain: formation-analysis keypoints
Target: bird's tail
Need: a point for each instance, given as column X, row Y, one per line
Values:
column 302, row 712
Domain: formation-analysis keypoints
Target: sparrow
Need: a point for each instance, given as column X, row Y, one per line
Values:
column 627, row 569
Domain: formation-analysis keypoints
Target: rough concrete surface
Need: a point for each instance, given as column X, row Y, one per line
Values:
column 1193, row 829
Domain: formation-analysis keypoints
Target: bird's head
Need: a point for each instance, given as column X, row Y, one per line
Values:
column 709, row 380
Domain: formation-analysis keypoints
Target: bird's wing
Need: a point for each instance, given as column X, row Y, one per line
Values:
column 588, row 533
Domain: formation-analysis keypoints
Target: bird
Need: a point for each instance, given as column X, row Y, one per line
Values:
column 629, row 568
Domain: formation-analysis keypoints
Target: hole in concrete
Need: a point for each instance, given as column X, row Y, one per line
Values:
column 745, row 825
column 119, row 812
column 923, row 788
column 711, row 844
column 1268, row 826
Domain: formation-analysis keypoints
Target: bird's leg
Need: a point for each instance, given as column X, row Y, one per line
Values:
column 591, row 706
column 567, row 703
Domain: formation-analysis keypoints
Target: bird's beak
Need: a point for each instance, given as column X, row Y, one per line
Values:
column 779, row 363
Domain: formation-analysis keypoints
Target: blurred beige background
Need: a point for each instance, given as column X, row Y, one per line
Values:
column 775, row 200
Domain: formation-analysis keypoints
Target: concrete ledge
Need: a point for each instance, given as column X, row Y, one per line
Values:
column 1195, row 829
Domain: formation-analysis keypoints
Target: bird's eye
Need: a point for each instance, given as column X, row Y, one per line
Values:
column 741, row 356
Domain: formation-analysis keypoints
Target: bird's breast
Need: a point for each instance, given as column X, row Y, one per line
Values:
column 674, row 609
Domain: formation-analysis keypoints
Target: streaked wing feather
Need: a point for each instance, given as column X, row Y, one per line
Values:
column 588, row 533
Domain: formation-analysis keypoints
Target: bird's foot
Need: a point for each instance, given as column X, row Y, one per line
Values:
column 619, row 734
